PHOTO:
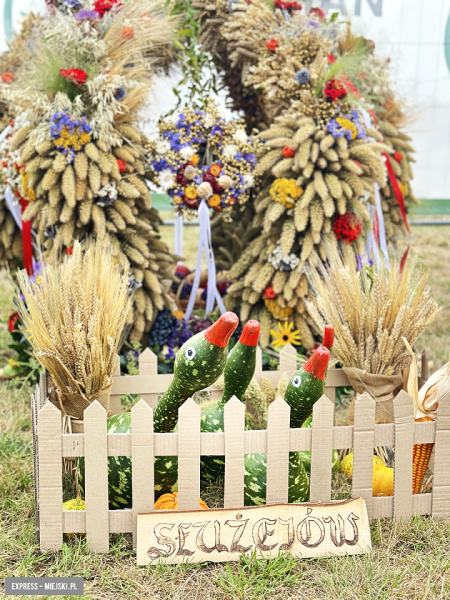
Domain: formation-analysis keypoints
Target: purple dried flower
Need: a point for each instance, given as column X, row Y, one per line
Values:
column 120, row 94
column 87, row 15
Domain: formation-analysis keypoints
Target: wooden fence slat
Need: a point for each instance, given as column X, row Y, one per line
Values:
column 321, row 450
column 363, row 445
column 234, row 425
column 50, row 477
column 404, row 441
column 258, row 364
column 96, row 477
column 189, row 456
column 277, row 481
column 148, row 365
column 288, row 360
column 441, row 478
column 142, row 461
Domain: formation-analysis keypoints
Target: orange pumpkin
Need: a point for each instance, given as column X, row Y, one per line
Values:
column 170, row 502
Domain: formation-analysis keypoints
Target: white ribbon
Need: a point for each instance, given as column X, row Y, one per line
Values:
column 14, row 206
column 378, row 210
column 178, row 242
column 204, row 243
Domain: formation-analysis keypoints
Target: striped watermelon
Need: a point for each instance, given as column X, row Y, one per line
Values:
column 119, row 469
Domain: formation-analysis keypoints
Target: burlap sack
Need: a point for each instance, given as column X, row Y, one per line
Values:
column 382, row 388
column 73, row 405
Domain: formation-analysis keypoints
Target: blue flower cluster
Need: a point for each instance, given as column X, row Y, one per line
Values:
column 349, row 126
column 69, row 135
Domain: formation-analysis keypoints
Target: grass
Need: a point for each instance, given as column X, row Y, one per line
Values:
column 408, row 561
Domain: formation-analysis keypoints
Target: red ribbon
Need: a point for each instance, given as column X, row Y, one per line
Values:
column 27, row 247
column 396, row 188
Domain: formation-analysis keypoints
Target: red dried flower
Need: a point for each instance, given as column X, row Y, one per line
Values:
column 272, row 44
column 347, row 227
column 76, row 76
column 7, row 77
column 334, row 89
column 122, row 165
column 317, row 12
column 12, row 321
column 103, row 6
column 69, row 251
column 209, row 177
column 398, row 157
column 288, row 152
column 269, row 293
column 331, row 59
column 287, row 5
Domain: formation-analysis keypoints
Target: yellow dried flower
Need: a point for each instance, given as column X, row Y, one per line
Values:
column 286, row 191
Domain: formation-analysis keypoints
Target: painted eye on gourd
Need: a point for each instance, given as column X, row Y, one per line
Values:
column 190, row 352
column 296, row 381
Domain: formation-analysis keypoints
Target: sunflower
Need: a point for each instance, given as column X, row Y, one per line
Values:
column 285, row 335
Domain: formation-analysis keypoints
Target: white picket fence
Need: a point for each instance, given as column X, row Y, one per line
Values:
column 97, row 521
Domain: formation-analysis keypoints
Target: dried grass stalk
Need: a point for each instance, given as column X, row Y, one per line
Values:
column 371, row 309
column 74, row 317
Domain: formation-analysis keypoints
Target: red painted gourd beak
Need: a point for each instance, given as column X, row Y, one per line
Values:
column 250, row 334
column 220, row 332
column 328, row 337
column 317, row 364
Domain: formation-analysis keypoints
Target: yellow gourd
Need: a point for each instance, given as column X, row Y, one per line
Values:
column 75, row 504
column 383, row 481
column 170, row 502
column 346, row 465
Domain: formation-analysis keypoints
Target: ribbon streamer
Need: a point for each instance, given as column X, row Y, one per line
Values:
column 27, row 246
column 204, row 243
column 178, row 242
column 396, row 188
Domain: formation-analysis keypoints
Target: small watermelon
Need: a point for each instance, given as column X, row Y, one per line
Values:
column 119, row 469
column 255, row 477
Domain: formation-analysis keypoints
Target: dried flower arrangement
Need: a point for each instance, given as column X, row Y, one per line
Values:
column 372, row 310
column 75, row 316
column 389, row 118
column 85, row 77
column 317, row 164
column 10, row 233
column 203, row 156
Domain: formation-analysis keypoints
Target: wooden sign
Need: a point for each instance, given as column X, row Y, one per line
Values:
column 221, row 535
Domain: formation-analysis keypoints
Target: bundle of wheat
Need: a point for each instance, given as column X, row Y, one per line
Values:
column 372, row 310
column 74, row 317
column 77, row 149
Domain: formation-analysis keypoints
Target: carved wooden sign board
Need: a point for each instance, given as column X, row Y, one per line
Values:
column 221, row 535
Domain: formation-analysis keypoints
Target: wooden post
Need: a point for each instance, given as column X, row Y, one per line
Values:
column 441, row 482
column 321, row 450
column 50, row 477
column 258, row 365
column 96, row 476
column 277, row 486
column 142, row 461
column 363, row 445
column 189, row 456
column 234, row 425
column 404, row 441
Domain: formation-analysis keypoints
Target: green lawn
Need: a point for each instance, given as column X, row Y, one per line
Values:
column 409, row 561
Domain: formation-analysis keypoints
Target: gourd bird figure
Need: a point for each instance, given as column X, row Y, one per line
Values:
column 198, row 364
column 238, row 373
column 302, row 392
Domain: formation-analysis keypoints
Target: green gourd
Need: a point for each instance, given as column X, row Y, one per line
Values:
column 238, row 373
column 302, row 392
column 198, row 364
column 307, row 386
